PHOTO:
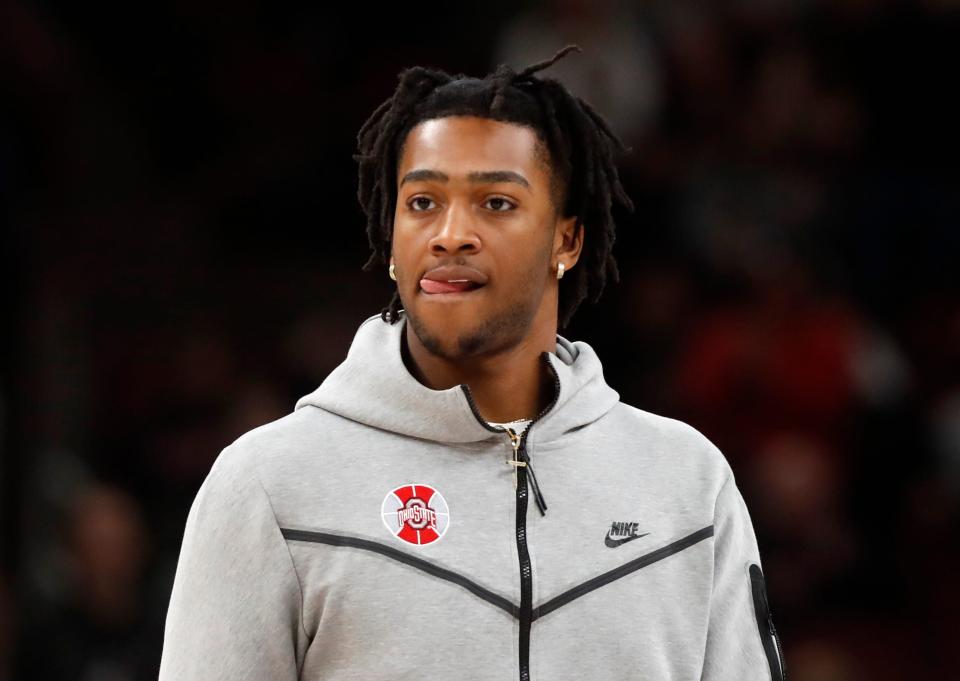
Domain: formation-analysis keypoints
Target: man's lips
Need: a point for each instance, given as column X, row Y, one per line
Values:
column 452, row 279
column 433, row 286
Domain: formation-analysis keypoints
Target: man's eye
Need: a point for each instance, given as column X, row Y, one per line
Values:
column 499, row 204
column 421, row 203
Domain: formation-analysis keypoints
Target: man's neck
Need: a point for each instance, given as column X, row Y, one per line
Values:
column 506, row 386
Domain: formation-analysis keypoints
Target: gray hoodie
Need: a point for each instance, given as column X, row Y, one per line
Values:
column 383, row 530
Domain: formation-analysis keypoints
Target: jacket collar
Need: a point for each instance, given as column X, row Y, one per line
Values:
column 374, row 387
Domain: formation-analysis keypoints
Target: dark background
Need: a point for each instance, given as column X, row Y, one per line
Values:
column 182, row 250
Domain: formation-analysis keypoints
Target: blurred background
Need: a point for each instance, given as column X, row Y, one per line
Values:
column 181, row 254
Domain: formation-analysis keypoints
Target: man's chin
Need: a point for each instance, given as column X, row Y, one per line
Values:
column 446, row 341
column 454, row 342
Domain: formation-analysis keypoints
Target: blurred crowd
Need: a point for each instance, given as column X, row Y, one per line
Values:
column 183, row 261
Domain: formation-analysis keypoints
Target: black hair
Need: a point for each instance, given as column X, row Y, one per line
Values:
column 581, row 146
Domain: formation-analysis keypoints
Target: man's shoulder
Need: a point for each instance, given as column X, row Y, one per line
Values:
column 278, row 432
column 658, row 424
column 665, row 436
column 273, row 447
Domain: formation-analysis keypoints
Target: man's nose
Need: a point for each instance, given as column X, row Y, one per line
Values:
column 456, row 232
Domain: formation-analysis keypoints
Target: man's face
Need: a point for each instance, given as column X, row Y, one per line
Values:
column 474, row 236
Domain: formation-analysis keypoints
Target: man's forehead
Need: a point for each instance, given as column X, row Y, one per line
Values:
column 467, row 146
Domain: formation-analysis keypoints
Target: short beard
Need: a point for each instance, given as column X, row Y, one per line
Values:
column 493, row 336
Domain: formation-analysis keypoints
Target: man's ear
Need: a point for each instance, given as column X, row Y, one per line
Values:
column 567, row 242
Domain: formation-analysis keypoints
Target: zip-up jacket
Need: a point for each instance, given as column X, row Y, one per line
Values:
column 385, row 531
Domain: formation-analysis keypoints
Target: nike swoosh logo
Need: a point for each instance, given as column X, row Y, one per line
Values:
column 614, row 543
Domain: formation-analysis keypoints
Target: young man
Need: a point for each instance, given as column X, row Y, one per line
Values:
column 383, row 530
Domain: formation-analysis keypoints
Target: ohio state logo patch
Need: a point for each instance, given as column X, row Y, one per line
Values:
column 417, row 514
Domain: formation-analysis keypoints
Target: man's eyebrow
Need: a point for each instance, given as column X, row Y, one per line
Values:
column 424, row 175
column 493, row 176
column 479, row 176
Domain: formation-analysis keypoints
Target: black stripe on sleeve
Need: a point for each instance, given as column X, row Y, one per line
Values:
column 407, row 559
column 622, row 571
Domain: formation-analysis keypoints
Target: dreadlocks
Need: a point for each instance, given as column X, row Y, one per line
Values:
column 581, row 149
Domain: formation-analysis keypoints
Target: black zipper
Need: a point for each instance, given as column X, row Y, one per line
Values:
column 526, row 576
column 526, row 570
column 768, row 633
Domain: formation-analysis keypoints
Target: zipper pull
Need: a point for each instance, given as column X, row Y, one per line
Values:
column 518, row 461
column 515, row 461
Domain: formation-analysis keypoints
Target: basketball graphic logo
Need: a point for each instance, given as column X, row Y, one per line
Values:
column 417, row 514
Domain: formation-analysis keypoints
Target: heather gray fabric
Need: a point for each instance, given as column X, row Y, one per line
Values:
column 289, row 571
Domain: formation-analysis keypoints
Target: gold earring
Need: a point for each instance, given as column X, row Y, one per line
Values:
column 560, row 268
column 393, row 272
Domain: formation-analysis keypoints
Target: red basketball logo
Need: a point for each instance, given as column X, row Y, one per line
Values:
column 417, row 514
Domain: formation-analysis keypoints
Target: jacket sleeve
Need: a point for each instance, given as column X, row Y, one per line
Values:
column 742, row 644
column 236, row 604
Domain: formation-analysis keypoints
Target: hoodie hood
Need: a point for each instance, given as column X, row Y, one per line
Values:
column 374, row 387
